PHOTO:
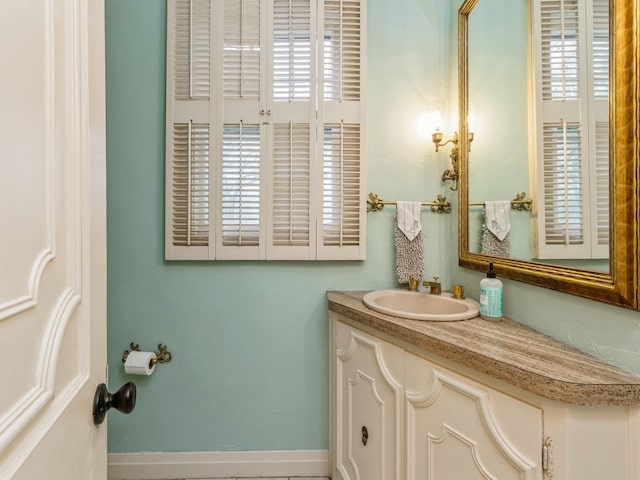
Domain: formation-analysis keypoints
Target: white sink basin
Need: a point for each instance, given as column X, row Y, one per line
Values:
column 421, row 306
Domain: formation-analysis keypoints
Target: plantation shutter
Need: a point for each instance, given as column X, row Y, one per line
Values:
column 264, row 159
column 602, row 189
column 598, row 34
column 572, row 95
column 341, row 115
column 291, row 224
column 240, row 96
column 240, row 203
column 188, row 139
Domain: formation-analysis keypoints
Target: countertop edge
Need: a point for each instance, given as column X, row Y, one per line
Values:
column 622, row 390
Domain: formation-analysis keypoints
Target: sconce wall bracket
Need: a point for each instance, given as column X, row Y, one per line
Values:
column 452, row 173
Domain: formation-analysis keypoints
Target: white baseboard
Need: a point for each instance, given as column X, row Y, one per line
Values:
column 211, row 465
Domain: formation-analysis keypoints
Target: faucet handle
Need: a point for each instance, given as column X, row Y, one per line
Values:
column 434, row 287
column 458, row 291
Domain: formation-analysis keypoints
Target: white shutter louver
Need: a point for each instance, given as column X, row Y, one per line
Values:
column 598, row 107
column 560, row 54
column 602, row 183
column 342, row 47
column 600, row 49
column 291, row 187
column 241, row 185
column 341, row 172
column 192, row 52
column 190, row 184
column 563, row 185
column 242, row 45
column 292, row 50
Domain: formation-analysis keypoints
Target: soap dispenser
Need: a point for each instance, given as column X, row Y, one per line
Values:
column 491, row 296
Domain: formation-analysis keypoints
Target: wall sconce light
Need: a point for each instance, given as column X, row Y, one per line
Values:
column 451, row 173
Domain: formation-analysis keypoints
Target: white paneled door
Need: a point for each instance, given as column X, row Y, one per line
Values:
column 52, row 238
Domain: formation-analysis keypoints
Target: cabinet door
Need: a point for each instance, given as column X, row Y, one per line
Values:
column 368, row 410
column 457, row 428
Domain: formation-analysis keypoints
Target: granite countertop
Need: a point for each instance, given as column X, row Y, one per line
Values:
column 505, row 350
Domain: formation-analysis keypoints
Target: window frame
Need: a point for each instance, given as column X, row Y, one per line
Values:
column 269, row 113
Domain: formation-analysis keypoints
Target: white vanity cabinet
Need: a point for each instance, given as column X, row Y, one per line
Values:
column 413, row 400
column 456, row 428
column 369, row 396
column 421, row 420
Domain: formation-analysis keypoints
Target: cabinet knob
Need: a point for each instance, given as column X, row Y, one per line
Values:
column 365, row 435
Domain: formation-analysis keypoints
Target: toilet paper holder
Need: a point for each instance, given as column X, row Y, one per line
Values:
column 162, row 355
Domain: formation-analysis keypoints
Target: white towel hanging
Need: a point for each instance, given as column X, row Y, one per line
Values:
column 408, row 214
column 409, row 242
column 497, row 217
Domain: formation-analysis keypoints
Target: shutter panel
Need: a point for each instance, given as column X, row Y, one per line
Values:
column 342, row 117
column 292, row 50
column 600, row 49
column 342, row 49
column 559, row 38
column 190, row 168
column 341, row 185
column 602, row 189
column 291, row 226
column 191, row 50
column 187, row 224
column 563, row 185
column 241, row 57
column 291, row 187
column 239, row 101
column 599, row 128
column 240, row 185
column 572, row 90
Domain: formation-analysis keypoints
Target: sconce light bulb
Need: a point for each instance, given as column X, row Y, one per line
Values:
column 436, row 137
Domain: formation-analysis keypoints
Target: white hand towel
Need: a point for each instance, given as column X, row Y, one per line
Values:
column 497, row 218
column 408, row 214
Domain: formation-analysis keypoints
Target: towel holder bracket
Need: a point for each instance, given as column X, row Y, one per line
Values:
column 518, row 203
column 441, row 205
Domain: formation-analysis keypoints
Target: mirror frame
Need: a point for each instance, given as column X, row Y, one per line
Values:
column 620, row 285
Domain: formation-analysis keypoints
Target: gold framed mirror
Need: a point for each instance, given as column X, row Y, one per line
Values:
column 618, row 285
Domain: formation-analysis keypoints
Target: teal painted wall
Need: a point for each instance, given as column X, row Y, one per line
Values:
column 499, row 157
column 249, row 339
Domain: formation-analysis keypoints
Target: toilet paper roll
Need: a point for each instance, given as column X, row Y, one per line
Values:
column 140, row 363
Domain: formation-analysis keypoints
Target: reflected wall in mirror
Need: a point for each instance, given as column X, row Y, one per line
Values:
column 501, row 92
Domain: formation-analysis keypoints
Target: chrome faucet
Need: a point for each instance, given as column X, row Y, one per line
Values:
column 435, row 287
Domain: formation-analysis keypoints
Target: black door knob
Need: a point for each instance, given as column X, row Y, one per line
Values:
column 124, row 400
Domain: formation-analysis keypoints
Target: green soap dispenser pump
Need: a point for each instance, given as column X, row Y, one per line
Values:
column 491, row 296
